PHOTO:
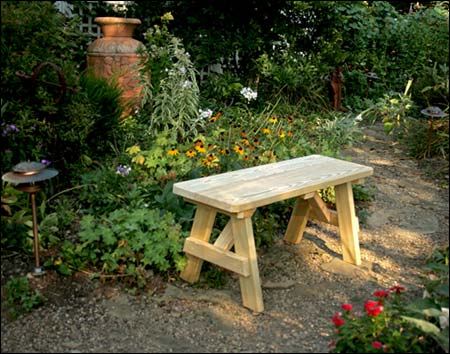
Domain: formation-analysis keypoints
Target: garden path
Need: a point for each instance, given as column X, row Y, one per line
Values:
column 303, row 285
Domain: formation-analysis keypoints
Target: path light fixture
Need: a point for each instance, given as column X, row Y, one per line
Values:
column 371, row 77
column 28, row 177
column 431, row 113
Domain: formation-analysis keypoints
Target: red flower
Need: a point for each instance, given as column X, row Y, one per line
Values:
column 373, row 308
column 397, row 289
column 377, row 345
column 347, row 307
column 338, row 321
column 381, row 293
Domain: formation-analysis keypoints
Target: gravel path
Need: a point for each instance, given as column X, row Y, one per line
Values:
column 303, row 285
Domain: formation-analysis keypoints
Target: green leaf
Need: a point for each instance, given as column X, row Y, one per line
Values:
column 423, row 325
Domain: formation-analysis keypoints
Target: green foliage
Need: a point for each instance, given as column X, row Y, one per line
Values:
column 103, row 190
column 104, row 96
column 18, row 298
column 16, row 219
column 174, row 94
column 294, row 77
column 128, row 242
column 35, row 125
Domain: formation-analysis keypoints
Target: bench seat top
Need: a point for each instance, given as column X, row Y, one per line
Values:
column 250, row 188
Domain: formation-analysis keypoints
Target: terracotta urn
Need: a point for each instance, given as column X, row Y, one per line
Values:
column 115, row 57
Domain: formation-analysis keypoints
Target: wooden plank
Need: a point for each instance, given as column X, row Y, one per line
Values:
column 253, row 187
column 201, row 230
column 222, row 258
column 321, row 212
column 348, row 223
column 244, row 245
column 225, row 240
column 297, row 222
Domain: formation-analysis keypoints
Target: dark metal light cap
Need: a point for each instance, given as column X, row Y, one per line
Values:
column 433, row 111
column 29, row 172
column 29, row 167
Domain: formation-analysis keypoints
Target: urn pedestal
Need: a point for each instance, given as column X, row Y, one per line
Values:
column 115, row 57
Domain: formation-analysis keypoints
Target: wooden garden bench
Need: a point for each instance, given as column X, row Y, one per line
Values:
column 238, row 194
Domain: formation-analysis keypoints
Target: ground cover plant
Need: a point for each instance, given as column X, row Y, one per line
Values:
column 271, row 103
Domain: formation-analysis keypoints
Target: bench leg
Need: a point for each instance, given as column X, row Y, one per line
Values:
column 348, row 223
column 297, row 222
column 244, row 245
column 201, row 230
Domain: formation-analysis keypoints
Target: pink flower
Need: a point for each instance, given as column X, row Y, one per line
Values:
column 347, row 307
column 381, row 293
column 338, row 321
column 377, row 345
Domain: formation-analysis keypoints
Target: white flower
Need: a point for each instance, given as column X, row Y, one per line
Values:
column 359, row 118
column 205, row 113
column 183, row 70
column 187, row 84
column 249, row 94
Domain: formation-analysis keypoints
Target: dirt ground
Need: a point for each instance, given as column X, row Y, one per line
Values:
column 303, row 285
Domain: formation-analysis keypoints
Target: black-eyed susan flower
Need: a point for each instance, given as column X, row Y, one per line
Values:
column 190, row 153
column 238, row 149
column 211, row 146
column 210, row 161
column 273, row 120
column 200, row 148
column 224, row 151
column 266, row 130
column 281, row 133
column 245, row 141
column 256, row 142
column 290, row 133
column 243, row 134
column 173, row 152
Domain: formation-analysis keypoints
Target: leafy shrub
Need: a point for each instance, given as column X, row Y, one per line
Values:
column 18, row 298
column 128, row 243
column 173, row 94
column 15, row 219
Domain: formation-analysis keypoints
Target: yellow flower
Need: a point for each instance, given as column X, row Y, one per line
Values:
column 273, row 120
column 224, row 151
column 266, row 130
column 210, row 161
column 133, row 150
column 200, row 148
column 290, row 134
column 245, row 141
column 190, row 153
column 238, row 149
column 173, row 152
column 281, row 133
column 140, row 160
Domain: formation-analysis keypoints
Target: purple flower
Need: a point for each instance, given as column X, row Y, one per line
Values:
column 123, row 170
column 46, row 162
column 9, row 128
